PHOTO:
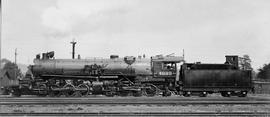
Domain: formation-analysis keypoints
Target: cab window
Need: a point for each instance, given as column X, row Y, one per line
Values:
column 168, row 66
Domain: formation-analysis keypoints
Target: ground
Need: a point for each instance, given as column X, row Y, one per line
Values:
column 134, row 108
column 140, row 108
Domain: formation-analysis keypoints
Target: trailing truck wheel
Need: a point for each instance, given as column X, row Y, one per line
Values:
column 150, row 90
column 6, row 91
column 166, row 93
column 16, row 93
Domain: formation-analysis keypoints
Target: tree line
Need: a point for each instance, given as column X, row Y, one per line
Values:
column 12, row 68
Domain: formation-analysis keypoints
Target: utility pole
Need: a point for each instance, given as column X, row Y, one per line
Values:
column 73, row 48
column 0, row 33
column 16, row 56
column 184, row 54
column 15, row 69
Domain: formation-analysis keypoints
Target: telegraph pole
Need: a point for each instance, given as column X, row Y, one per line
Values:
column 73, row 48
column 183, row 54
column 16, row 56
column 0, row 32
column 15, row 69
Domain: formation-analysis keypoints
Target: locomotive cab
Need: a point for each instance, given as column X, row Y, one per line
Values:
column 164, row 69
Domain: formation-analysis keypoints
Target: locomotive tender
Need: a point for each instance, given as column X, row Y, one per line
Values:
column 131, row 76
column 226, row 79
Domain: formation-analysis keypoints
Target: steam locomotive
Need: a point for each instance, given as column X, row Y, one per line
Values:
column 131, row 76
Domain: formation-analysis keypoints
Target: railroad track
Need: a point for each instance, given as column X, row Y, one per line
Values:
column 251, row 114
column 131, row 101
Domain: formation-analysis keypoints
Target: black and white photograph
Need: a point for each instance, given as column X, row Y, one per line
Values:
column 186, row 58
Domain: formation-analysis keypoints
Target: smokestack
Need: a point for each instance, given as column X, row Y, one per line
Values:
column 73, row 48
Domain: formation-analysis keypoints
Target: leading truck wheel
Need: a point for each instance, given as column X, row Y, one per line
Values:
column 137, row 93
column 110, row 94
column 124, row 93
column 53, row 92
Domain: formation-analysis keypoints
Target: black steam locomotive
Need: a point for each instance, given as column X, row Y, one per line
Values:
column 131, row 76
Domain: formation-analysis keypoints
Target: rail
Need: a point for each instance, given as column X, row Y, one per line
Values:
column 133, row 101
column 141, row 114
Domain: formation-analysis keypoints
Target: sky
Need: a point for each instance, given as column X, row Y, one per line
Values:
column 206, row 29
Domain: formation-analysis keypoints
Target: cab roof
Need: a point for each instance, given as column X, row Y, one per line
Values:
column 167, row 58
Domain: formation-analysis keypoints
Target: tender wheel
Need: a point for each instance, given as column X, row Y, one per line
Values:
column 223, row 94
column 242, row 94
column 203, row 94
column 226, row 94
column 186, row 94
